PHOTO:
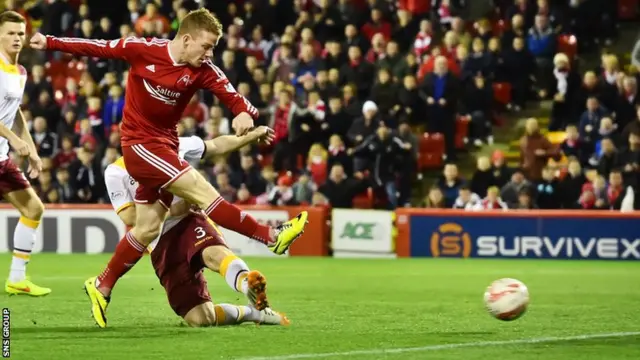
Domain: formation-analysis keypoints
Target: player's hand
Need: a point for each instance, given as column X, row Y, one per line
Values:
column 38, row 42
column 264, row 134
column 19, row 146
column 242, row 124
column 35, row 166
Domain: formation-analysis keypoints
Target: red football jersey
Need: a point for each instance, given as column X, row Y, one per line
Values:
column 158, row 89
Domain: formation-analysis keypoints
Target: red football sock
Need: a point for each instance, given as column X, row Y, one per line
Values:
column 128, row 252
column 230, row 217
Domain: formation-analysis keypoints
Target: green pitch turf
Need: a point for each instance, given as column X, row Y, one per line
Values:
column 342, row 309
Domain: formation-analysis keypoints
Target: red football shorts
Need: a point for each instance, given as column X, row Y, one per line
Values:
column 154, row 166
column 11, row 178
column 177, row 259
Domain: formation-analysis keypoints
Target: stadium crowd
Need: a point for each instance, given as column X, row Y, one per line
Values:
column 350, row 87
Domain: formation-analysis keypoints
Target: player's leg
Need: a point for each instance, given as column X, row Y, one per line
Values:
column 204, row 246
column 208, row 314
column 178, row 259
column 151, row 171
column 20, row 194
column 237, row 275
column 129, row 250
column 194, row 188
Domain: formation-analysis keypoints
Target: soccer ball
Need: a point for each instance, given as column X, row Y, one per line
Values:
column 506, row 299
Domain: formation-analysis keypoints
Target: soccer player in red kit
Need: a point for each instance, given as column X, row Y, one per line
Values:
column 164, row 75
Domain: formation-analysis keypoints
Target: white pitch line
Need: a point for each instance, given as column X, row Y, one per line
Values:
column 443, row 347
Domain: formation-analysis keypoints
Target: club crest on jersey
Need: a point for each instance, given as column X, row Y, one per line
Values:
column 186, row 80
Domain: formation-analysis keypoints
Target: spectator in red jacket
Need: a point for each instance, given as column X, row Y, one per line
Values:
column 66, row 155
column 196, row 109
column 376, row 25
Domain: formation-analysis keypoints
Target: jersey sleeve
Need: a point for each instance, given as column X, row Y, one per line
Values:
column 217, row 82
column 191, row 148
column 116, row 181
column 124, row 49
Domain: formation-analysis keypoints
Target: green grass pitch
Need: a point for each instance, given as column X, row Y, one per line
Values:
column 342, row 309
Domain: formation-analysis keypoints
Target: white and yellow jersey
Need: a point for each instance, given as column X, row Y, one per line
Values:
column 122, row 187
column 12, row 82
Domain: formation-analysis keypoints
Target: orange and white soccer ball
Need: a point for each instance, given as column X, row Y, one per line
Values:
column 506, row 299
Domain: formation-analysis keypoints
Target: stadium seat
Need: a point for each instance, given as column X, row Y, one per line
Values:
column 58, row 82
column 429, row 161
column 75, row 69
column 258, row 54
column 432, row 142
column 568, row 44
column 300, row 162
column 499, row 27
column 502, row 92
column 431, row 151
column 462, row 132
column 628, row 9
column 55, row 68
column 363, row 200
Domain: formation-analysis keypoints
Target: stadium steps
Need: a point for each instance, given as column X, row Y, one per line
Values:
column 507, row 136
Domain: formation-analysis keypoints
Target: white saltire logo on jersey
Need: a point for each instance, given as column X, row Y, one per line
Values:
column 167, row 96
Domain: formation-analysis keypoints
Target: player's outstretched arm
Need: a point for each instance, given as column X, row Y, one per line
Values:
column 216, row 81
column 110, row 49
column 228, row 143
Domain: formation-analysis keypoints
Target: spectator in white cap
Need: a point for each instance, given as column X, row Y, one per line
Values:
column 366, row 125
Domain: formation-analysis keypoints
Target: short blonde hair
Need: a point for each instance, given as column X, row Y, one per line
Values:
column 317, row 148
column 561, row 58
column 200, row 20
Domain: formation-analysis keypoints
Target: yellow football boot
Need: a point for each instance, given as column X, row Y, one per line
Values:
column 288, row 233
column 99, row 302
column 25, row 287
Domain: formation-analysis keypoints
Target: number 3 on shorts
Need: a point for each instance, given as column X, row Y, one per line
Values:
column 200, row 233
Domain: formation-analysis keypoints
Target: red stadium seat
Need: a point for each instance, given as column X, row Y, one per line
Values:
column 499, row 27
column 429, row 161
column 75, row 69
column 568, row 44
column 59, row 82
column 363, row 200
column 258, row 54
column 55, row 68
column 431, row 151
column 502, row 92
column 462, row 132
column 628, row 9
column 431, row 143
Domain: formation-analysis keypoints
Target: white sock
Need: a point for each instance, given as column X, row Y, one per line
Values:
column 227, row 314
column 24, row 238
column 235, row 272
